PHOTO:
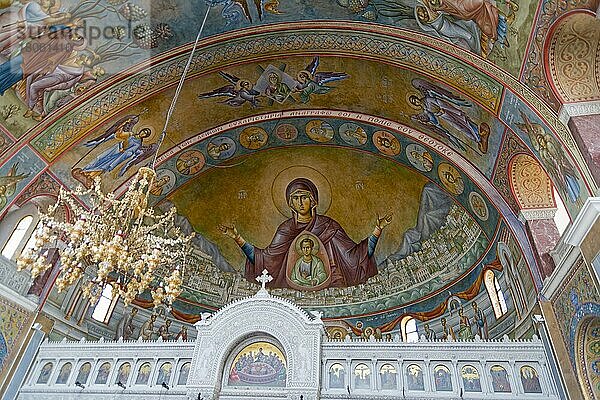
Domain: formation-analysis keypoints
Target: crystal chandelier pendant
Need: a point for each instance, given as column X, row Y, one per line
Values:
column 121, row 241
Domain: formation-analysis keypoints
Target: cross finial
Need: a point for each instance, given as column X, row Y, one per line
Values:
column 264, row 278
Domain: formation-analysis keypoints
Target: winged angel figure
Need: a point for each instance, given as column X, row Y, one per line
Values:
column 310, row 81
column 307, row 82
column 442, row 110
column 8, row 184
column 239, row 91
column 128, row 149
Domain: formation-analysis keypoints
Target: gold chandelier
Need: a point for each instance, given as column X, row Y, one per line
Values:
column 122, row 241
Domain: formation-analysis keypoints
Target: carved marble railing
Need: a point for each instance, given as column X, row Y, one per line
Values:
column 358, row 368
column 19, row 281
column 350, row 369
column 149, row 366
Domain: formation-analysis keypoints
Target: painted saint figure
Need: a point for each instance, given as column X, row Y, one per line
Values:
column 480, row 321
column 464, row 328
column 125, row 326
column 128, row 150
column 447, row 331
column 440, row 105
column 308, row 269
column 350, row 263
column 429, row 333
column 147, row 329
column 163, row 330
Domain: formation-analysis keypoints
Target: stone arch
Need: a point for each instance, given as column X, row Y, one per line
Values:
column 588, row 361
column 571, row 57
column 530, row 185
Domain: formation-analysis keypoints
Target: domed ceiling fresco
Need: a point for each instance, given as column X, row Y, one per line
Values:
column 397, row 120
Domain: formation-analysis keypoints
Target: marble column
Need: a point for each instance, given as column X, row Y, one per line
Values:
column 543, row 235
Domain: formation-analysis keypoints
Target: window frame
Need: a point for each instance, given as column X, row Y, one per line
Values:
column 111, row 305
column 17, row 244
column 495, row 293
column 408, row 336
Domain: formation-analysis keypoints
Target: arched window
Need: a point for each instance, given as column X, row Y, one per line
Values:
column 409, row 329
column 561, row 217
column 16, row 237
column 495, row 293
column 31, row 241
column 106, row 304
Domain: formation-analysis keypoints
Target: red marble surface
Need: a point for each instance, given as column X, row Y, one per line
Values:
column 586, row 131
column 544, row 236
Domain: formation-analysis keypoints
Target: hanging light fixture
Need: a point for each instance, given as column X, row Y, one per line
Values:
column 121, row 241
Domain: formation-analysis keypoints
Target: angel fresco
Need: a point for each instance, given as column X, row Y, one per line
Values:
column 128, row 150
column 349, row 263
column 8, row 184
column 32, row 18
column 312, row 82
column 443, row 109
column 561, row 171
column 239, row 91
column 276, row 85
column 475, row 25
column 43, row 92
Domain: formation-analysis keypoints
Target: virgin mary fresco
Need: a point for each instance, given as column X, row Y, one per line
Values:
column 345, row 262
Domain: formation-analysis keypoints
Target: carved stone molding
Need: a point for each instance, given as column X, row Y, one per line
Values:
column 569, row 110
column 536, row 213
column 263, row 314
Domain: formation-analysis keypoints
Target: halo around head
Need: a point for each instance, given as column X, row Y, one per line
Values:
column 313, row 239
column 287, row 175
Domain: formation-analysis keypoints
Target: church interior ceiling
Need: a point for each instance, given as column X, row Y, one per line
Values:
column 412, row 108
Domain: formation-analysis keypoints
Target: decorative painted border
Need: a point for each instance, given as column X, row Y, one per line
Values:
column 394, row 50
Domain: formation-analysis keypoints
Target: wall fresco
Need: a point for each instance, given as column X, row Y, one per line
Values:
column 94, row 156
column 18, row 173
column 576, row 300
column 14, row 323
column 100, row 40
column 548, row 150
